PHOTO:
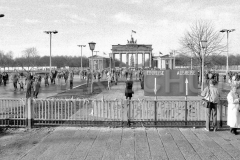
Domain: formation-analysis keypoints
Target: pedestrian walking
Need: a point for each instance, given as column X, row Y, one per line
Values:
column 15, row 80
column 71, row 80
column 109, row 79
column 128, row 90
column 233, row 119
column 28, row 87
column 211, row 95
column 46, row 80
column 36, row 87
column 65, row 75
column 5, row 78
column 20, row 82
column 141, row 78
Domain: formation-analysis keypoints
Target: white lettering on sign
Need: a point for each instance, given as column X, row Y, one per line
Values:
column 155, row 72
column 187, row 72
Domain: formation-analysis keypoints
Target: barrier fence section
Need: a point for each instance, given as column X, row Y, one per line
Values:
column 13, row 112
column 116, row 113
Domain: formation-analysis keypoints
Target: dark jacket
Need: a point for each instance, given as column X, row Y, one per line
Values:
column 128, row 90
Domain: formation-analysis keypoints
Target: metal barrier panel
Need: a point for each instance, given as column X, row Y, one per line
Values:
column 108, row 110
column 170, row 110
column 78, row 112
column 92, row 112
column 141, row 110
column 13, row 112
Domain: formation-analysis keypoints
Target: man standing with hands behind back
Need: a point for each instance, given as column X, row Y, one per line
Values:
column 212, row 95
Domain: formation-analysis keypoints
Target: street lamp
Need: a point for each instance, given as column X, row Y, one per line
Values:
column 228, row 31
column 1, row 15
column 50, row 33
column 92, row 47
column 191, row 47
column 110, row 61
column 204, row 46
column 81, row 55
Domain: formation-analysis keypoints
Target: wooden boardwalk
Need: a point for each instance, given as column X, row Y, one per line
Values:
column 135, row 144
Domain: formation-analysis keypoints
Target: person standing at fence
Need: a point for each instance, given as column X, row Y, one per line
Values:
column 212, row 95
column 233, row 119
column 128, row 90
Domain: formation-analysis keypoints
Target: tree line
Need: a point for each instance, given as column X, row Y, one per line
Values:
column 210, row 61
column 30, row 58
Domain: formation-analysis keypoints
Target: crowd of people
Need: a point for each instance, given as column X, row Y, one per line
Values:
column 32, row 81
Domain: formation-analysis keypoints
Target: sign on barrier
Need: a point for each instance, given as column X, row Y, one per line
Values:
column 170, row 83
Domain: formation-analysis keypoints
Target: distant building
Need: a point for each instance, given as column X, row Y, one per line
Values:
column 132, row 48
column 98, row 62
column 164, row 62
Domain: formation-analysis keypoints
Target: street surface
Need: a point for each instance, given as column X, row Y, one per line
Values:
column 45, row 91
column 65, row 143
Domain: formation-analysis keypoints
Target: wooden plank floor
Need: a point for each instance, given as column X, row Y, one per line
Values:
column 136, row 144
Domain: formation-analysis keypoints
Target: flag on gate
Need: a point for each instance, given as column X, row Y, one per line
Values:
column 134, row 31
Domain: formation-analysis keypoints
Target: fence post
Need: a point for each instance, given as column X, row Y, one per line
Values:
column 186, row 111
column 129, row 111
column 219, row 114
column 29, row 113
column 155, row 111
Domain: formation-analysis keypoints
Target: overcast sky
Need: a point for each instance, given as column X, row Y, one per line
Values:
column 109, row 22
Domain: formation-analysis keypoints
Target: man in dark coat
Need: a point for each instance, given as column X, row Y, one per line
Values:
column 5, row 78
column 128, row 90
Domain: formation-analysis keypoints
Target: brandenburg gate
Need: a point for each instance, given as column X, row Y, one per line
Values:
column 132, row 49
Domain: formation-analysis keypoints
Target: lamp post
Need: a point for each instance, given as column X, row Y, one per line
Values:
column 228, row 31
column 203, row 45
column 110, row 59
column 191, row 47
column 97, row 62
column 92, row 47
column 1, row 15
column 50, row 33
column 81, row 54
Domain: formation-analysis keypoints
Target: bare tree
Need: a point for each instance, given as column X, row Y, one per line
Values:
column 202, row 30
column 2, row 60
column 29, row 56
column 6, row 59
